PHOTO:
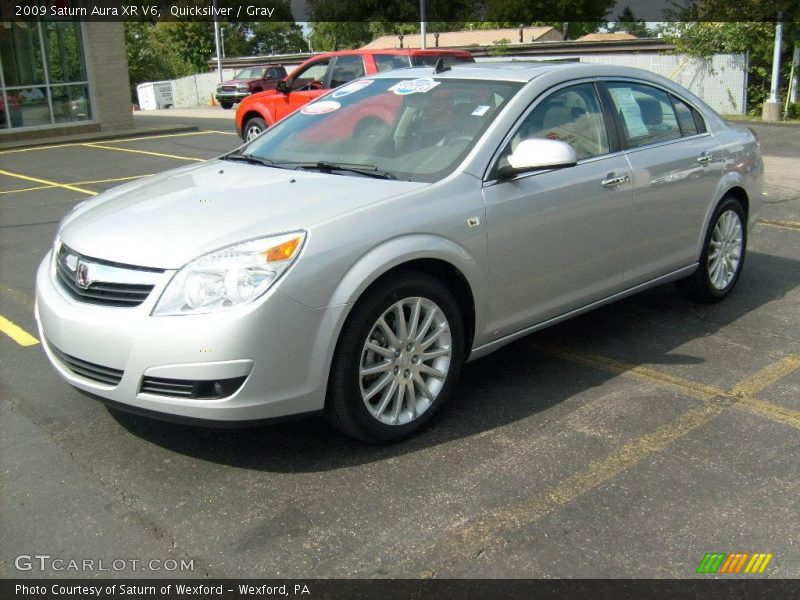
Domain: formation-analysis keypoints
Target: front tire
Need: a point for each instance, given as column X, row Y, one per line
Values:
column 723, row 255
column 226, row 105
column 397, row 360
column 253, row 128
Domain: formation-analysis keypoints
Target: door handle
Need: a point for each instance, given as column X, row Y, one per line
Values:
column 704, row 158
column 614, row 180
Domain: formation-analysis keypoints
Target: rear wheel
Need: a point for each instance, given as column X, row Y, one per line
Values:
column 723, row 255
column 397, row 360
column 253, row 128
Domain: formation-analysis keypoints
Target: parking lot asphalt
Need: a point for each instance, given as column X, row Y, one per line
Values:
column 627, row 442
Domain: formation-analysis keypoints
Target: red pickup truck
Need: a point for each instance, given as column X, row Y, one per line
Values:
column 249, row 80
column 323, row 72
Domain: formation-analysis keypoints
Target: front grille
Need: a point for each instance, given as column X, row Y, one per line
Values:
column 107, row 293
column 88, row 370
column 228, row 88
column 185, row 388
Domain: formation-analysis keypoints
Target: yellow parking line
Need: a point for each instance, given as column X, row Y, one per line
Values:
column 49, row 183
column 699, row 391
column 17, row 296
column 17, row 333
column 741, row 395
column 795, row 225
column 466, row 541
column 47, row 187
column 766, row 376
column 115, row 141
column 29, row 189
column 162, row 155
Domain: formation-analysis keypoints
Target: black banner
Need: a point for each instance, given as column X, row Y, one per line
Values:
column 433, row 589
column 514, row 12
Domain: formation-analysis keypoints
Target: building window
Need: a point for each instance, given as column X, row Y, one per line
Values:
column 42, row 74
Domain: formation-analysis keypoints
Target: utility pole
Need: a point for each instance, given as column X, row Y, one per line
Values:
column 423, row 25
column 217, row 43
column 772, row 107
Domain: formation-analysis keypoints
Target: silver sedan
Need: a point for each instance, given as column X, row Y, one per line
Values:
column 352, row 258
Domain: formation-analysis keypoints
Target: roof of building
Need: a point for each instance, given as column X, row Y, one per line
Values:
column 474, row 37
column 606, row 37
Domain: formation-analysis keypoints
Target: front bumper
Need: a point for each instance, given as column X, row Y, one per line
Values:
column 231, row 96
column 281, row 347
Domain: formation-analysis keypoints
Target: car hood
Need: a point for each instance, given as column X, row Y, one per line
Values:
column 166, row 220
column 235, row 81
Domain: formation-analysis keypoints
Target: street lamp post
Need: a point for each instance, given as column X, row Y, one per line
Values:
column 772, row 107
column 423, row 25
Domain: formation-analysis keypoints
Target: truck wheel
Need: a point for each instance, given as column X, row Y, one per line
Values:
column 253, row 128
column 226, row 105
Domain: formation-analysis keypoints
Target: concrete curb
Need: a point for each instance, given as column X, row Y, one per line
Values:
column 97, row 136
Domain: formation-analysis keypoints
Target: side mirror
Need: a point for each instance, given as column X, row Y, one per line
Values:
column 535, row 154
column 282, row 86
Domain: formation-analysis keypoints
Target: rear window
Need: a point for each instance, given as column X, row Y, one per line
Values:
column 390, row 62
column 689, row 119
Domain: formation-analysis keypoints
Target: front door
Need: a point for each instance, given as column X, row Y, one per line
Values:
column 558, row 239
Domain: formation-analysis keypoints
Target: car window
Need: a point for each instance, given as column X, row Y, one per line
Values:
column 272, row 74
column 313, row 72
column 571, row 115
column 346, row 68
column 689, row 119
column 416, row 129
column 645, row 112
column 250, row 73
column 390, row 62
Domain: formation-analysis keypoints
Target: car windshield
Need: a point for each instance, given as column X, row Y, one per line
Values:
column 250, row 73
column 410, row 129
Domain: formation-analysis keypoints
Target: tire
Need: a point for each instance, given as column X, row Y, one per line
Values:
column 355, row 399
column 714, row 280
column 253, row 128
column 226, row 105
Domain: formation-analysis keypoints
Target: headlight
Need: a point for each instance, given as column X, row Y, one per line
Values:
column 219, row 88
column 231, row 276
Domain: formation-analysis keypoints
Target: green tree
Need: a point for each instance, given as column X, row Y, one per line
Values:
column 628, row 23
column 757, row 39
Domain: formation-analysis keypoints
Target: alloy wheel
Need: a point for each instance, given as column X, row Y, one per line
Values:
column 725, row 250
column 405, row 361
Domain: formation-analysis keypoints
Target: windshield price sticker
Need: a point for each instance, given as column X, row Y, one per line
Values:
column 351, row 88
column 320, row 108
column 414, row 86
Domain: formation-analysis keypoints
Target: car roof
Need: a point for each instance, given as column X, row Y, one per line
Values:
column 521, row 71
column 398, row 51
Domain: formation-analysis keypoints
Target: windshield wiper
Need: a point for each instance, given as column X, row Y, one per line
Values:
column 249, row 158
column 329, row 167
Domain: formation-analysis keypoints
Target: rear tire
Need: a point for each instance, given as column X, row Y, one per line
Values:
column 386, row 384
column 723, row 255
column 253, row 128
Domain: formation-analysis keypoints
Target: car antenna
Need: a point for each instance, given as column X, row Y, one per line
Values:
column 440, row 68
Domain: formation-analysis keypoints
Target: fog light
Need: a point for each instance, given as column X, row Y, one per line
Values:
column 218, row 389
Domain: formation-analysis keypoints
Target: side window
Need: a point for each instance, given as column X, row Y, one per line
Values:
column 312, row 73
column 645, row 112
column 346, row 68
column 572, row 115
column 272, row 74
column 390, row 62
column 689, row 119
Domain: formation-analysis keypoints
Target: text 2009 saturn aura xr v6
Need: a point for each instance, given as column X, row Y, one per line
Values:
column 350, row 259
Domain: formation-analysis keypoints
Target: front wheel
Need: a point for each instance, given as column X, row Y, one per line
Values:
column 253, row 128
column 226, row 105
column 397, row 360
column 723, row 255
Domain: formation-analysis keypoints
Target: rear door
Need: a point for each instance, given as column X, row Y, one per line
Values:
column 675, row 171
column 558, row 239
